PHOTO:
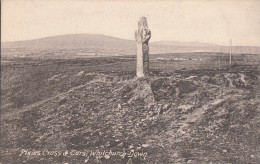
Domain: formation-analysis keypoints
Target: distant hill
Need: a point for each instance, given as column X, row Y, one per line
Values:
column 82, row 45
column 83, row 40
column 71, row 41
column 184, row 44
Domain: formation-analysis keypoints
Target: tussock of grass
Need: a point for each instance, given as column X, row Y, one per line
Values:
column 201, row 119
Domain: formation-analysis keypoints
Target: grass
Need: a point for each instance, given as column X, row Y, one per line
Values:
column 185, row 111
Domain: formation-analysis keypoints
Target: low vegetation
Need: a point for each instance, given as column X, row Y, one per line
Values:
column 189, row 111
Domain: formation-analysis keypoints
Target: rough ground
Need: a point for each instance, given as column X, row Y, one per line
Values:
column 186, row 116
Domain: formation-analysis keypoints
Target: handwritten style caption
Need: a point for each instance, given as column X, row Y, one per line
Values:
column 86, row 153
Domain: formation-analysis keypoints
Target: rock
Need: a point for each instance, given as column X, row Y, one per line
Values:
column 150, row 105
column 166, row 106
column 224, row 151
column 80, row 73
column 145, row 145
column 119, row 106
column 205, row 78
column 252, row 156
column 150, row 113
column 86, row 160
column 189, row 161
column 120, row 145
column 160, row 111
column 131, row 146
column 108, row 144
column 130, row 161
column 138, row 148
column 107, row 156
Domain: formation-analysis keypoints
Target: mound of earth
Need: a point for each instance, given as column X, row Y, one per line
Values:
column 177, row 118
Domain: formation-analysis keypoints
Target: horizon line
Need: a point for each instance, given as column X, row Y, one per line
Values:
column 216, row 44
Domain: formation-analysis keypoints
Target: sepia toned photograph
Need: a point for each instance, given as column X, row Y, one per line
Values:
column 130, row 82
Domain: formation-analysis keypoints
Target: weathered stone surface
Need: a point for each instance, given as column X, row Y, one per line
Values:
column 142, row 37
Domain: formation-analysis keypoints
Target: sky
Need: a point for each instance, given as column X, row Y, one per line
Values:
column 210, row 21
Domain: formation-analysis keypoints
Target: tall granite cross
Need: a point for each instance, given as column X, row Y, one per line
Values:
column 142, row 37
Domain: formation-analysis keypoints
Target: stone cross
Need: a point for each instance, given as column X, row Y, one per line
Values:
column 142, row 37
